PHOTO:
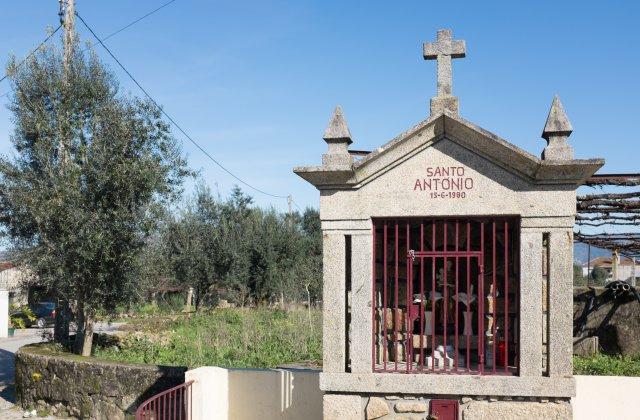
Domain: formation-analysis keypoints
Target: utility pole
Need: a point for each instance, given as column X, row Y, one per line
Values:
column 588, row 264
column 290, row 214
column 67, row 16
column 68, row 21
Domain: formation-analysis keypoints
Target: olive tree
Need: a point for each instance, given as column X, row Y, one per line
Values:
column 229, row 249
column 81, row 192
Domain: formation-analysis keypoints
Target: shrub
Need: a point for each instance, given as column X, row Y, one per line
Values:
column 578, row 278
column 599, row 276
column 25, row 313
column 601, row 364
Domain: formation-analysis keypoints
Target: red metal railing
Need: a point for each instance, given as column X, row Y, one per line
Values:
column 474, row 279
column 172, row 404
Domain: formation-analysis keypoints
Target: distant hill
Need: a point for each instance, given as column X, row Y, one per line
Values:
column 581, row 253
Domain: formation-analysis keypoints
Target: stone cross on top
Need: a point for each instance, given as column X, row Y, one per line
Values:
column 443, row 50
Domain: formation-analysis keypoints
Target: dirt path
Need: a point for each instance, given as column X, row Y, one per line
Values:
column 8, row 348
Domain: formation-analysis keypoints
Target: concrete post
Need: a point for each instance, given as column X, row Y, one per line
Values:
column 4, row 313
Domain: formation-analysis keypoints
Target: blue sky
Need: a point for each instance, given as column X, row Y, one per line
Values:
column 255, row 82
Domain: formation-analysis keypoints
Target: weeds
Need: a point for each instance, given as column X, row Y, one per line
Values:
column 237, row 337
column 601, row 364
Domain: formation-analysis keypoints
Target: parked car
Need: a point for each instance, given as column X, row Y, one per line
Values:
column 44, row 314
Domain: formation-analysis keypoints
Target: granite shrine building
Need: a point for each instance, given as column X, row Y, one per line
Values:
column 448, row 267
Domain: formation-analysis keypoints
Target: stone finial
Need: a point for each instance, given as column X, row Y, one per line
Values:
column 338, row 139
column 443, row 50
column 556, row 131
column 337, row 130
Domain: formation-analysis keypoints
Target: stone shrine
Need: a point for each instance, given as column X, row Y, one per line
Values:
column 448, row 259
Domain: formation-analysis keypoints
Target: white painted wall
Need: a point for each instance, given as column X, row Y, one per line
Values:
column 209, row 393
column 12, row 279
column 4, row 313
column 247, row 394
column 265, row 394
column 606, row 397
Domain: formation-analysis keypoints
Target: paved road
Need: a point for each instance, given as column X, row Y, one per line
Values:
column 8, row 348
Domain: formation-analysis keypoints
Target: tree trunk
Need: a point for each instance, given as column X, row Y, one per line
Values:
column 80, row 326
column 87, row 341
column 62, row 318
column 84, row 332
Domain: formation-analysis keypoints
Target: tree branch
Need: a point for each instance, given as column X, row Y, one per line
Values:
column 611, row 196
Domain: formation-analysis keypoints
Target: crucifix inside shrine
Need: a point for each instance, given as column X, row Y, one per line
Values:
column 447, row 267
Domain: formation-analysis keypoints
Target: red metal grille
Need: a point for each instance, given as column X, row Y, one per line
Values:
column 428, row 276
column 172, row 404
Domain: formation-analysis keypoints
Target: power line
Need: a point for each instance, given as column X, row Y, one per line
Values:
column 171, row 118
column 137, row 20
column 32, row 53
column 296, row 204
column 127, row 26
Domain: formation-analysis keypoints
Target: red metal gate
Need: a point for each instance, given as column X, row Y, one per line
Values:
column 428, row 274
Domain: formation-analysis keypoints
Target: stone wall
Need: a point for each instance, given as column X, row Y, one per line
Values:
column 65, row 384
column 616, row 322
column 417, row 407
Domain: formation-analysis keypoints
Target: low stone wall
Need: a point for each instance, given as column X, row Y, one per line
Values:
column 356, row 407
column 616, row 322
column 64, row 384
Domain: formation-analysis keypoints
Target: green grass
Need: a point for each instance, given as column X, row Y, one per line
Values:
column 163, row 307
column 259, row 338
column 601, row 364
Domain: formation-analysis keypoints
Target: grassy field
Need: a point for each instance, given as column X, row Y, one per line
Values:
column 259, row 338
column 601, row 364
column 223, row 337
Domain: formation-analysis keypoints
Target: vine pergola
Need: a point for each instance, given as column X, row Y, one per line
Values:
column 618, row 211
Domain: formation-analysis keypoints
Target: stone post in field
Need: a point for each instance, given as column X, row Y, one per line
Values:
column 189, row 300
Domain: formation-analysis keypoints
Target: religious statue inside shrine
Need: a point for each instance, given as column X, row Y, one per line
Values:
column 448, row 327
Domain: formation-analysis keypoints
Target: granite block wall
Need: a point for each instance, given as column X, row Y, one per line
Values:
column 68, row 385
